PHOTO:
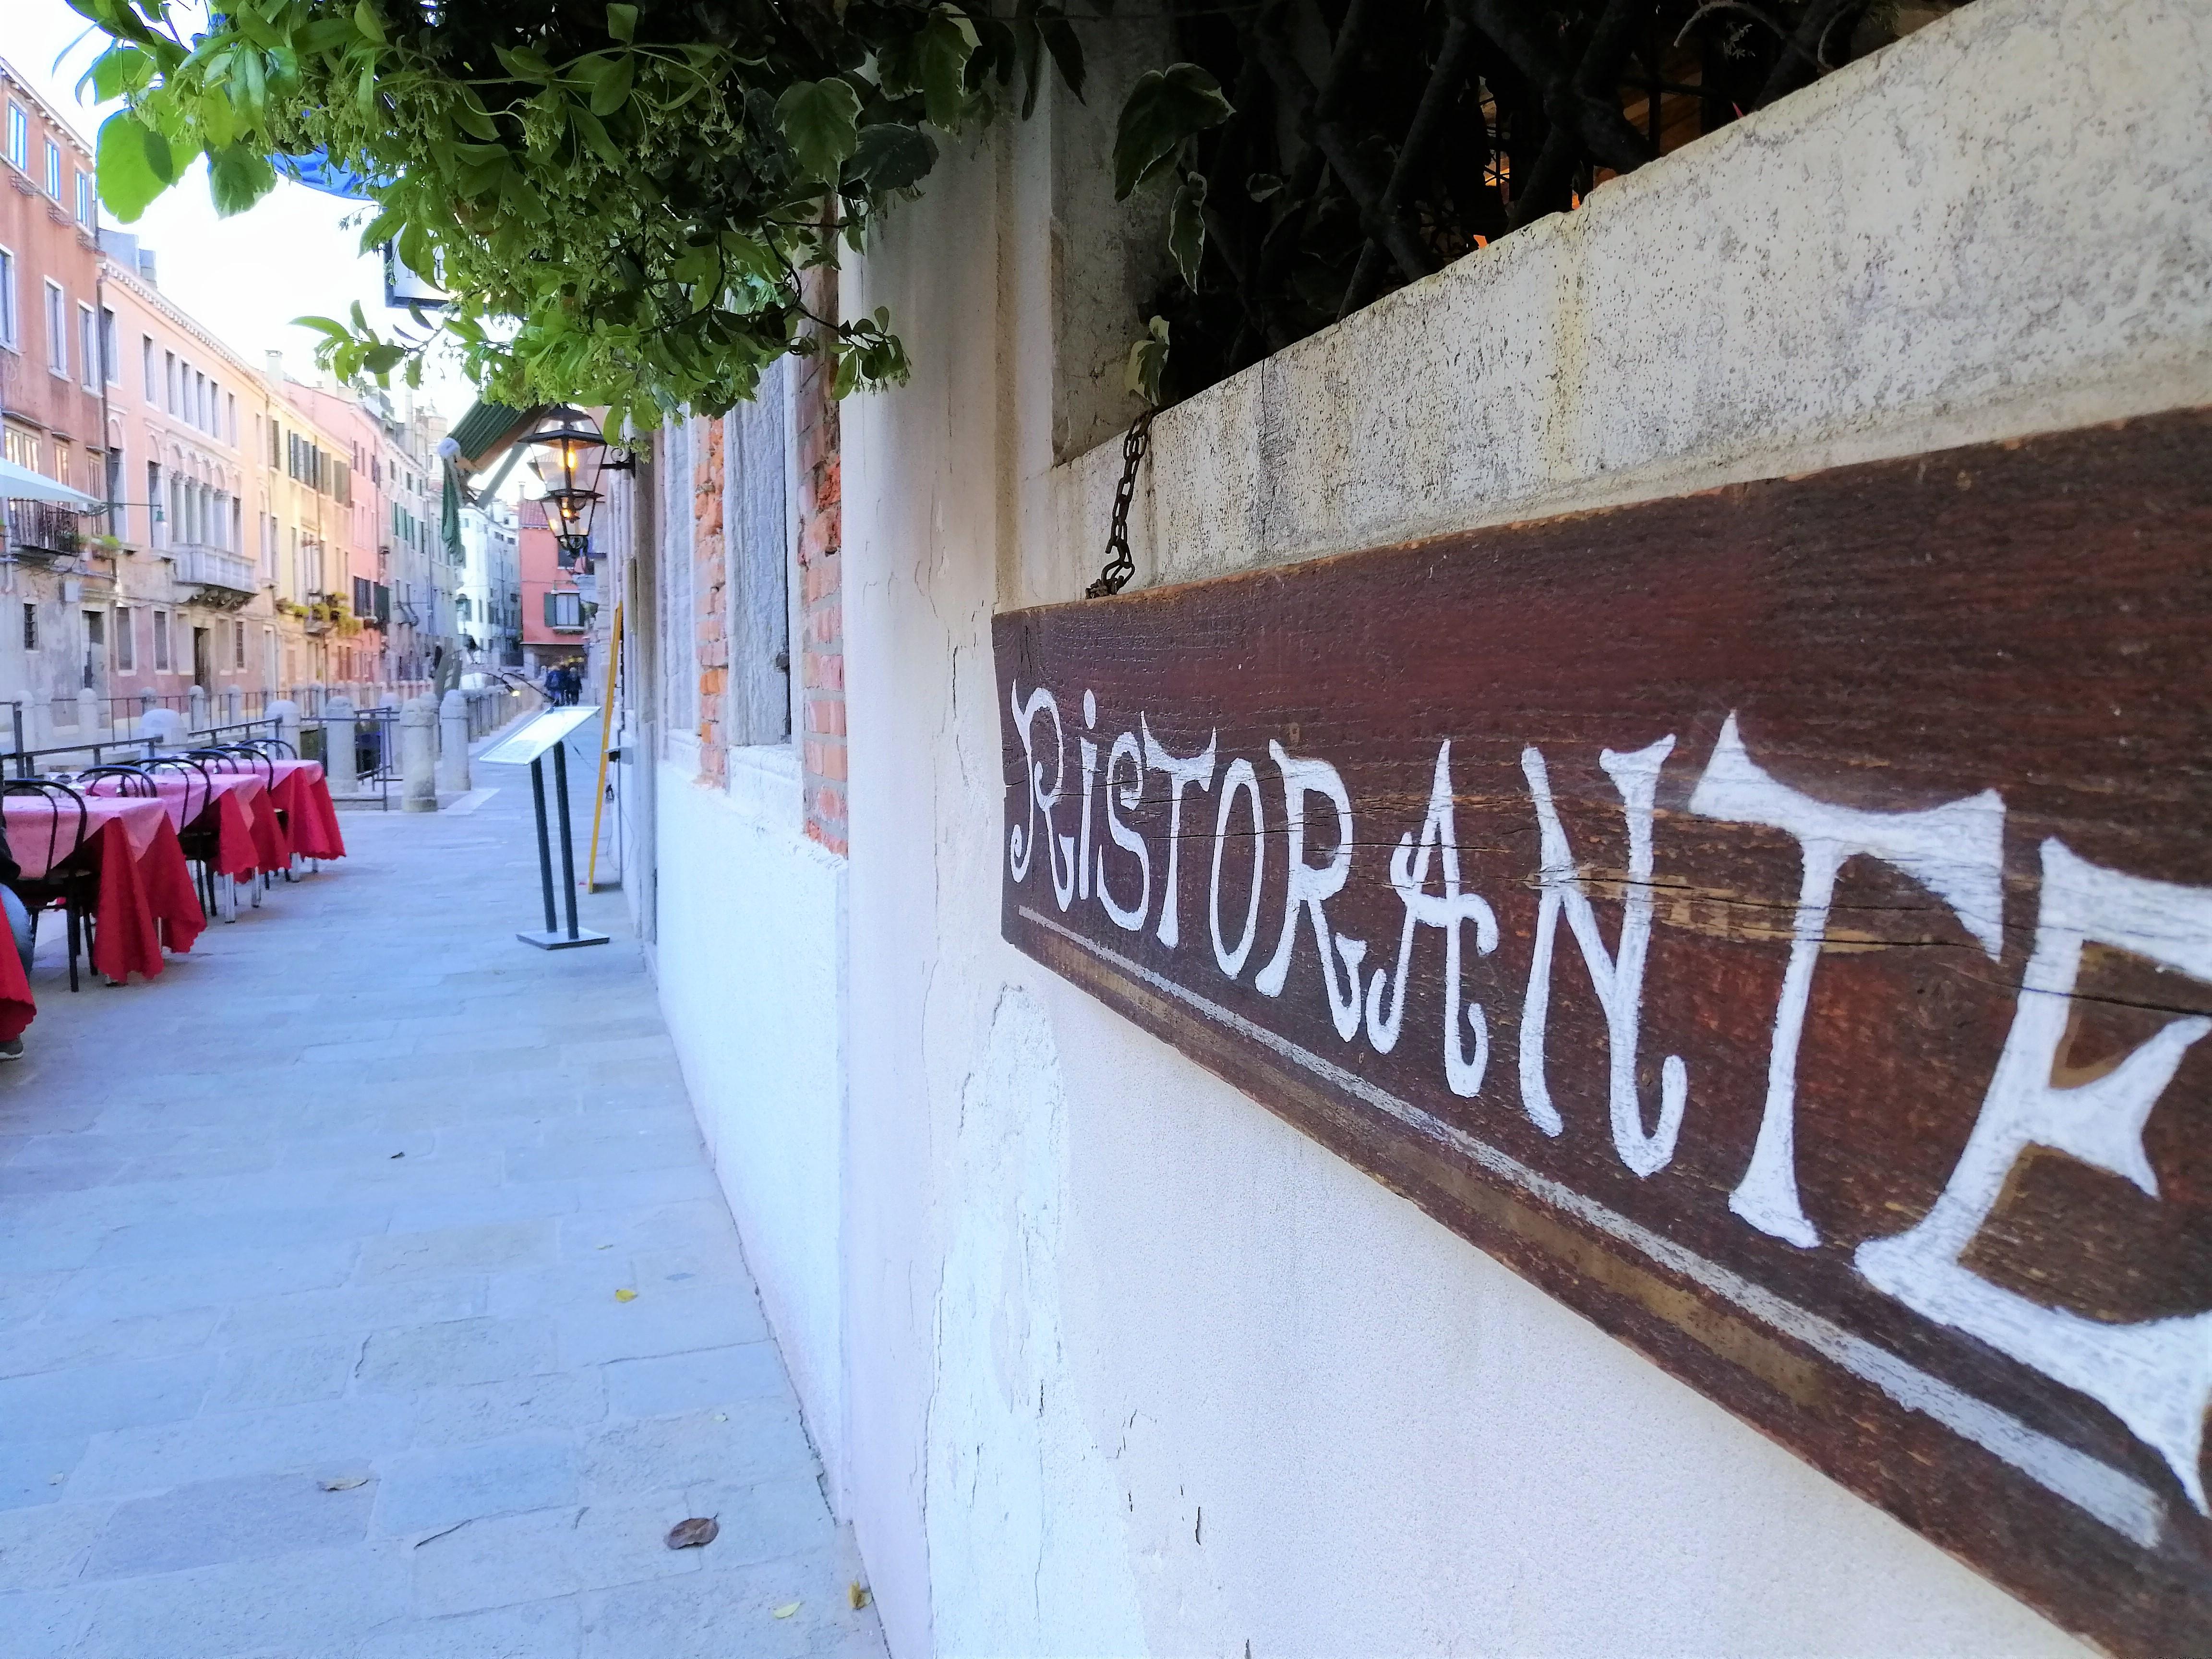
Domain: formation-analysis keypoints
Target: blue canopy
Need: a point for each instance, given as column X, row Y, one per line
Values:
column 316, row 172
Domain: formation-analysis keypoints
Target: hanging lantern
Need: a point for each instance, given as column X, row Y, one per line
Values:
column 572, row 451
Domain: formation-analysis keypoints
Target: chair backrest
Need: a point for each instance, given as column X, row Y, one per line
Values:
column 116, row 780
column 274, row 746
column 192, row 772
column 59, row 797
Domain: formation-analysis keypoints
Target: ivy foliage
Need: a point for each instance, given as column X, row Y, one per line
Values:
column 621, row 198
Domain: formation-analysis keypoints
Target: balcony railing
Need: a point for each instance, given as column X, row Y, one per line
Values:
column 212, row 566
column 40, row 530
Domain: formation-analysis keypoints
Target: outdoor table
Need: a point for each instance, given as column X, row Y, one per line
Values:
column 303, row 796
column 146, row 896
column 248, row 838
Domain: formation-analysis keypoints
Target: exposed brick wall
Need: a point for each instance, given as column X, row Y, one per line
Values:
column 710, row 612
column 821, row 586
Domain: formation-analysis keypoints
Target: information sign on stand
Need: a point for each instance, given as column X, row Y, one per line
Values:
column 549, row 731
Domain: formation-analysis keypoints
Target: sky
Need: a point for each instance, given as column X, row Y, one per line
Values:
column 246, row 278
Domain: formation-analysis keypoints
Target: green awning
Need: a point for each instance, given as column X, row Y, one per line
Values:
column 488, row 429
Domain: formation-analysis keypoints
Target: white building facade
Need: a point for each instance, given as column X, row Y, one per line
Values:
column 1102, row 1357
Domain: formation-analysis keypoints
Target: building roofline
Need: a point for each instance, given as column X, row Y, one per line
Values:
column 14, row 77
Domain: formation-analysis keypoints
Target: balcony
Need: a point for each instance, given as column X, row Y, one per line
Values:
column 223, row 578
column 37, row 530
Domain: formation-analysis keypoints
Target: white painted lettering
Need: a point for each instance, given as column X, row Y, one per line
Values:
column 1616, row 979
column 1181, row 773
column 1123, row 836
column 1409, row 879
column 2155, row 1375
column 1088, row 751
column 1308, row 887
column 1956, row 851
column 1021, row 842
column 1240, row 777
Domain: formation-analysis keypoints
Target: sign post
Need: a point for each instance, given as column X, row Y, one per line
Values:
column 549, row 731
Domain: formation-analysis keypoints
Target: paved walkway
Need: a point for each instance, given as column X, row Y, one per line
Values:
column 311, row 1342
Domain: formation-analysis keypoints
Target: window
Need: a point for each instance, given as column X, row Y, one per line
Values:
column 230, row 405
column 57, row 330
column 238, row 648
column 199, row 415
column 8, row 334
column 19, row 138
column 87, row 346
column 161, row 641
column 84, row 198
column 564, row 611
column 169, row 375
column 54, row 170
column 154, row 537
column 22, row 448
column 126, row 649
column 237, row 533
column 110, row 350
column 30, row 627
column 153, row 386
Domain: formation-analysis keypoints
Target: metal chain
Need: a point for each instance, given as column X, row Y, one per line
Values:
column 1119, row 565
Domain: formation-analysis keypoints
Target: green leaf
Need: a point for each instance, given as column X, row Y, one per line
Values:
column 892, row 156
column 948, row 39
column 613, row 90
column 622, row 22
column 118, row 72
column 474, row 117
column 238, row 178
column 1165, row 107
column 1148, row 360
column 128, row 179
column 1066, row 50
column 370, row 25
column 1187, row 227
column 594, row 134
column 818, row 120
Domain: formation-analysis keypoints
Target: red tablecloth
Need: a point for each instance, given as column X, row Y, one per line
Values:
column 146, row 894
column 247, row 838
column 304, row 798
column 17, row 1010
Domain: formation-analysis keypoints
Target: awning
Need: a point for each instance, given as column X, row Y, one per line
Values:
column 19, row 483
column 488, row 429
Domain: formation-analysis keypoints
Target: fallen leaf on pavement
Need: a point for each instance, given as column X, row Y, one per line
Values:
column 625, row 1296
column 690, row 1535
column 343, row 1483
column 857, row 1594
column 787, row 1610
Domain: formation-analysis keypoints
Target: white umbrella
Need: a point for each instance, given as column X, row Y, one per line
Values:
column 19, row 483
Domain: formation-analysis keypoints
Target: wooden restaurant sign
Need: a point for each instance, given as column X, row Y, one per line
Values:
column 1778, row 921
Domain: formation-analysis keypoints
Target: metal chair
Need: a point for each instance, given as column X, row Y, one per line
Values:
column 66, row 880
column 199, row 839
column 127, row 780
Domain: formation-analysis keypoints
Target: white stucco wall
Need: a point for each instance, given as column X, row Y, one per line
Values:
column 1130, row 1366
column 750, row 962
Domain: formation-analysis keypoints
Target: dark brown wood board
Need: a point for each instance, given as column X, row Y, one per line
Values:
column 1778, row 921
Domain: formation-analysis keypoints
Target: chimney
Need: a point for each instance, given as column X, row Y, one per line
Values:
column 276, row 367
column 146, row 266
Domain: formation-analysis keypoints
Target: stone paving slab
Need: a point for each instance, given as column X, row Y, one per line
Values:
column 309, row 1340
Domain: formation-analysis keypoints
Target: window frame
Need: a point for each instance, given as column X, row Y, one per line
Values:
column 87, row 346
column 11, row 313
column 56, row 329
column 53, row 172
column 19, row 139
